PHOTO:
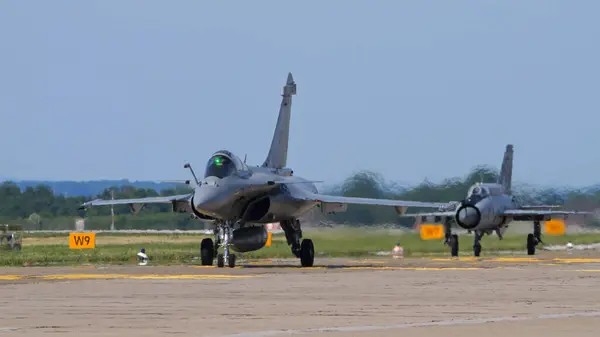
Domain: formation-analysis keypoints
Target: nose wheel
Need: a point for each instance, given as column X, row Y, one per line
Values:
column 208, row 249
column 225, row 233
column 230, row 260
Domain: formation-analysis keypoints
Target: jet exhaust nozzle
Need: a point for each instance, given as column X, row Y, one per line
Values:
column 468, row 216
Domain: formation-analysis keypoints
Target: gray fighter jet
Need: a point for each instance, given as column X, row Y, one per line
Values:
column 239, row 199
column 490, row 208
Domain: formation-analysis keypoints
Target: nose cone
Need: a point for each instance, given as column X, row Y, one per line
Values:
column 468, row 216
column 206, row 198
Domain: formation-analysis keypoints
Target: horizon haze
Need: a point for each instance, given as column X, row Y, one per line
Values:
column 101, row 90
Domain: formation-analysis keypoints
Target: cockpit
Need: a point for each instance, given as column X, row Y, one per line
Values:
column 477, row 192
column 223, row 164
column 481, row 191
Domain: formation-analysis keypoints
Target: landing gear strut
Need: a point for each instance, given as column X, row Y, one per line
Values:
column 305, row 251
column 450, row 239
column 476, row 243
column 535, row 238
column 223, row 234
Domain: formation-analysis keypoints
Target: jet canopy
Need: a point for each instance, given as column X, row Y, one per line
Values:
column 223, row 164
column 480, row 191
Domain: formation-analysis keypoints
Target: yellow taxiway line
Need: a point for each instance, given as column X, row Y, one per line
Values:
column 120, row 276
column 519, row 259
column 576, row 260
column 410, row 268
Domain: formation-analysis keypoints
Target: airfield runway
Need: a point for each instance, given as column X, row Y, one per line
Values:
column 410, row 297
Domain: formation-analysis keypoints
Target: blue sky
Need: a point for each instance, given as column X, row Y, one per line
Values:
column 412, row 90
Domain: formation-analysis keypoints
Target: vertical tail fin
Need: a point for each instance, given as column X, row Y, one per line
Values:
column 505, row 178
column 277, row 157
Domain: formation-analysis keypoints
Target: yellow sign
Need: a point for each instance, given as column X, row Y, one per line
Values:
column 431, row 232
column 269, row 238
column 82, row 240
column 554, row 227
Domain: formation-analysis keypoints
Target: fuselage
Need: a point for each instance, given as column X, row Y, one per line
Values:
column 231, row 190
column 483, row 208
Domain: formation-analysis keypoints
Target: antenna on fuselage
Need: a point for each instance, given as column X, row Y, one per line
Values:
column 188, row 166
column 245, row 156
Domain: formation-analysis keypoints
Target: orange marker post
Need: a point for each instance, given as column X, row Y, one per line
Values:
column 555, row 227
column 431, row 232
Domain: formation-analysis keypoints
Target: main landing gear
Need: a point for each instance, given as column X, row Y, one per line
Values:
column 476, row 243
column 452, row 240
column 305, row 251
column 223, row 234
column 535, row 238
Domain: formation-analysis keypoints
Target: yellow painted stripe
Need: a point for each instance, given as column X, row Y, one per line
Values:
column 412, row 268
column 457, row 259
column 577, row 260
column 516, row 259
column 119, row 276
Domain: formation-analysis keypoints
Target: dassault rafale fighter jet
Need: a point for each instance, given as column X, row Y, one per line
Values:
column 240, row 199
column 490, row 208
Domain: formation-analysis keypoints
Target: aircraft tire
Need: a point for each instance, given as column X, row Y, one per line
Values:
column 207, row 252
column 477, row 250
column 307, row 253
column 530, row 244
column 231, row 261
column 454, row 245
column 220, row 261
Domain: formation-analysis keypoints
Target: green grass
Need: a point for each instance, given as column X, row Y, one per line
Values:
column 165, row 249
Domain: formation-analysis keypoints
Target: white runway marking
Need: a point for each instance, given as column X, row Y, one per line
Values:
column 8, row 329
column 412, row 325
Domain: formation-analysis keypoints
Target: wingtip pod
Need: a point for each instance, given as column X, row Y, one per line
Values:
column 87, row 204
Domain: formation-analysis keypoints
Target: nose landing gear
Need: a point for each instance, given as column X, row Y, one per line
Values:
column 208, row 249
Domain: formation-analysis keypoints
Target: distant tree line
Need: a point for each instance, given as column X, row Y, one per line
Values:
column 39, row 207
